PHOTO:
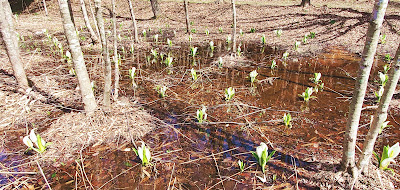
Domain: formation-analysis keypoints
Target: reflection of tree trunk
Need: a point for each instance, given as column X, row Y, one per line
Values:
column 87, row 23
column 381, row 112
column 106, row 57
column 154, row 7
column 134, row 22
column 77, row 58
column 11, row 42
column 305, row 3
column 116, row 66
column 234, row 27
column 348, row 158
column 185, row 4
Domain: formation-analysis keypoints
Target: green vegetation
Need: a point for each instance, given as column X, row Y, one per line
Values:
column 253, row 75
column 278, row 33
column 388, row 155
column 161, row 91
column 144, row 154
column 306, row 95
column 262, row 155
column 229, row 93
column 241, row 165
column 287, row 119
column 37, row 140
column 201, row 114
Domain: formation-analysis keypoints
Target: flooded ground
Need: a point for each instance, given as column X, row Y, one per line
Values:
column 190, row 155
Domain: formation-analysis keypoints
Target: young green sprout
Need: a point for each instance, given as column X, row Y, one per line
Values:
column 241, row 32
column 239, row 50
column 296, row 45
column 316, row 78
column 241, row 165
column 193, row 30
column 388, row 155
column 68, row 57
column 201, row 114
column 253, row 75
column 273, row 64
column 311, row 35
column 386, row 68
column 194, row 74
column 144, row 154
column 306, row 95
column 168, row 61
column 154, row 53
column 132, row 49
column 262, row 155
column 383, row 126
column 285, row 56
column 207, row 32
column 379, row 93
column 304, row 40
column 287, row 119
column 190, row 37
column 278, row 32
column 144, row 32
column 36, row 139
column 220, row 29
column 383, row 78
column 263, row 40
column 169, row 42
column 220, row 62
column 161, row 91
column 252, row 30
column 228, row 39
column 93, row 85
column 193, row 51
column 212, row 47
column 229, row 93
column 383, row 38
column 156, row 38
column 388, row 57
column 132, row 73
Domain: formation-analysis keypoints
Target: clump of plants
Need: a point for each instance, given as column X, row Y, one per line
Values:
column 241, row 165
column 144, row 154
column 278, row 32
column 388, row 155
column 307, row 94
column 161, row 90
column 194, row 74
column 201, row 114
column 263, row 40
column 36, row 142
column 229, row 93
column 262, row 158
column 253, row 75
column 287, row 120
column 319, row 85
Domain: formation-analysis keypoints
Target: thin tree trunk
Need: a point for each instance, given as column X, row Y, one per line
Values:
column 106, row 57
column 45, row 7
column 185, row 5
column 154, row 7
column 93, row 36
column 134, row 22
column 234, row 27
column 77, row 58
column 381, row 112
column 348, row 158
column 11, row 43
column 94, row 19
column 305, row 3
column 116, row 66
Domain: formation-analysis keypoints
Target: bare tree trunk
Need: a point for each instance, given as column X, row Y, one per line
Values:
column 305, row 3
column 11, row 43
column 77, row 58
column 71, row 12
column 348, row 159
column 134, row 22
column 106, row 57
column 93, row 36
column 94, row 19
column 45, row 7
column 116, row 66
column 234, row 27
column 185, row 5
column 381, row 112
column 154, row 7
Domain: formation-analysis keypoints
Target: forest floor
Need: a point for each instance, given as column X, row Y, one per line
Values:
column 54, row 104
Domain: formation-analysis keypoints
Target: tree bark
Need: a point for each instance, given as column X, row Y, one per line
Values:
column 11, row 42
column 116, row 66
column 106, row 56
column 93, row 36
column 348, row 158
column 305, row 3
column 381, row 113
column 135, row 31
column 154, row 7
column 71, row 12
column 77, row 58
column 94, row 19
column 185, row 5
column 234, row 27
column 45, row 7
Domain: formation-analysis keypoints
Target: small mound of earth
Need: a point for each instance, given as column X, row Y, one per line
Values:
column 74, row 131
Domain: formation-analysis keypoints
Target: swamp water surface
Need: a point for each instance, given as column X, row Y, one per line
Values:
column 188, row 155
